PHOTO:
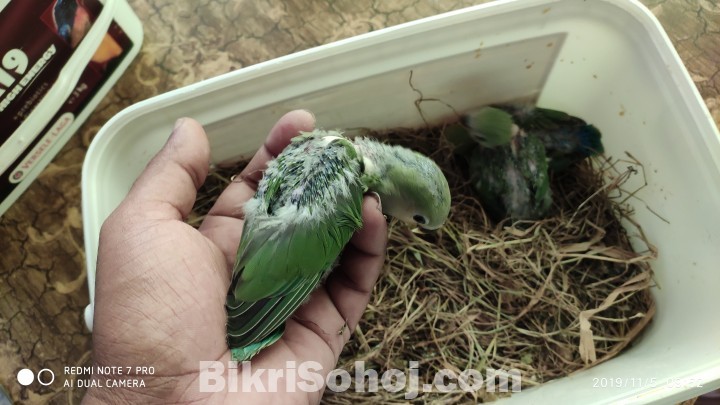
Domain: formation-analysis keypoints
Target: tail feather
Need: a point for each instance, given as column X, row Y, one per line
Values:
column 245, row 353
column 252, row 326
column 249, row 315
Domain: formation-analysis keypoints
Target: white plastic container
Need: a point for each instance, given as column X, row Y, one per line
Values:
column 608, row 61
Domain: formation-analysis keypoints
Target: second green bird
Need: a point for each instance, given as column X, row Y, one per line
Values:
column 509, row 151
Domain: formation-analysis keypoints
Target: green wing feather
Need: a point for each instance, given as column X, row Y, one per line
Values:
column 280, row 261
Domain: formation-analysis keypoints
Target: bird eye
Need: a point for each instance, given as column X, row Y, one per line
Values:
column 420, row 219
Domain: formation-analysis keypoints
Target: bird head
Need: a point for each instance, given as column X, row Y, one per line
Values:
column 413, row 189
column 490, row 126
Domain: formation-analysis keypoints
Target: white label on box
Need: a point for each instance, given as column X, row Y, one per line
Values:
column 58, row 128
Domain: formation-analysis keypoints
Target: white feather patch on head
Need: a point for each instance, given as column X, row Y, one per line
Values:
column 327, row 139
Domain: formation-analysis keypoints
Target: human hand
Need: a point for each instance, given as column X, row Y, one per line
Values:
column 161, row 284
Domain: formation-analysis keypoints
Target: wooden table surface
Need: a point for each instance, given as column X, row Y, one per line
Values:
column 43, row 287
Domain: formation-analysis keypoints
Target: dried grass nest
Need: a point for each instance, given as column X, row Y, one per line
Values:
column 547, row 297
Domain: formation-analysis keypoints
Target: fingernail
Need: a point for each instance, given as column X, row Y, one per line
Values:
column 376, row 196
column 178, row 124
column 311, row 114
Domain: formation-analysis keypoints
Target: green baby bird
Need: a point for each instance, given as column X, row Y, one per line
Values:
column 306, row 209
column 508, row 167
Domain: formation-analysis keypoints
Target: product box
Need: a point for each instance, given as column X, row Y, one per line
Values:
column 608, row 61
column 58, row 58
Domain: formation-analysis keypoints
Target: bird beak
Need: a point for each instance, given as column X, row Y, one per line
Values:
column 427, row 228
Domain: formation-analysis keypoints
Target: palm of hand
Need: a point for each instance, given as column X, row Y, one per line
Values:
column 161, row 284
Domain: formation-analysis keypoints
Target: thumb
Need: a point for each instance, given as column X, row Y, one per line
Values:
column 167, row 188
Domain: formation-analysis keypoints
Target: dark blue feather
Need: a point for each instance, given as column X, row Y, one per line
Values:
column 64, row 15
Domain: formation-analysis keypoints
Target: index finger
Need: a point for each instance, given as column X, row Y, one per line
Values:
column 287, row 127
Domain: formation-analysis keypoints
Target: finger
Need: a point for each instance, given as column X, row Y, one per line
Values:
column 350, row 285
column 334, row 311
column 245, row 184
column 287, row 127
column 167, row 187
column 223, row 224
